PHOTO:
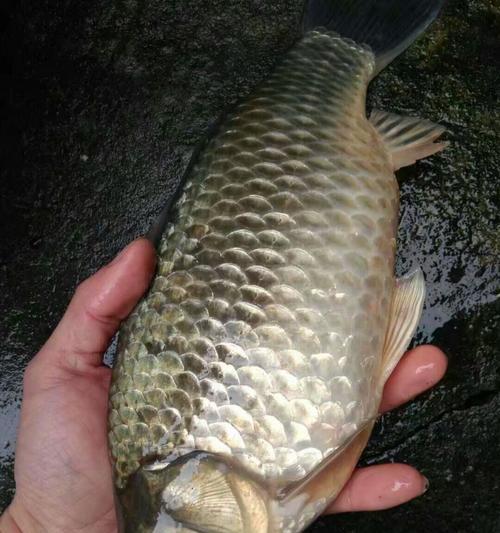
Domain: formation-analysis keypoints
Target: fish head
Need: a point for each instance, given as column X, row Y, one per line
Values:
column 200, row 492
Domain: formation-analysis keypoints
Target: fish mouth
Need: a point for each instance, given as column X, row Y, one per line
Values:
column 198, row 492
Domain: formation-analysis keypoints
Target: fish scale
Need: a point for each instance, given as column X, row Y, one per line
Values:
column 262, row 333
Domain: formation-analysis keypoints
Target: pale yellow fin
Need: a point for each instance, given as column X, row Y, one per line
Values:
column 213, row 494
column 206, row 501
column 323, row 484
column 407, row 139
column 406, row 308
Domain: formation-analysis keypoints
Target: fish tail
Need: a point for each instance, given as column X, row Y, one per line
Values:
column 387, row 26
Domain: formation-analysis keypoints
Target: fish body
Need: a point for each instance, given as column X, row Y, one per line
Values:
column 253, row 369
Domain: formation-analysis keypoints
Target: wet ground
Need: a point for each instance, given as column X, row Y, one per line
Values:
column 104, row 104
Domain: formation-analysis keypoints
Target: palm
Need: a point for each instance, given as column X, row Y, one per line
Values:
column 63, row 471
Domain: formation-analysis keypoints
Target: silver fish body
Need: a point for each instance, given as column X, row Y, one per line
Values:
column 261, row 340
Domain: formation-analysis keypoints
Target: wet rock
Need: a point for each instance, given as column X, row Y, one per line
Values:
column 105, row 103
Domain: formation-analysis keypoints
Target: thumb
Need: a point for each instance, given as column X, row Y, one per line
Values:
column 100, row 303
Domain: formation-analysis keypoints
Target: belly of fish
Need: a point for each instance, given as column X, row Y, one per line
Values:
column 262, row 333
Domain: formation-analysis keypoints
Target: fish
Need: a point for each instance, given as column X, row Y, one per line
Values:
column 247, row 381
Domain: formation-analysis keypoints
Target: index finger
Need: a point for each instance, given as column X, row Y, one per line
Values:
column 419, row 370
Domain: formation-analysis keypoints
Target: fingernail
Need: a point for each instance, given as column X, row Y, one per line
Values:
column 426, row 484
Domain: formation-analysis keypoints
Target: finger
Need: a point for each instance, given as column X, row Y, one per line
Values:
column 379, row 487
column 99, row 305
column 419, row 370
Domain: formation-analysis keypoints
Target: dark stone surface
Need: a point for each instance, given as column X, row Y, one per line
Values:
column 103, row 105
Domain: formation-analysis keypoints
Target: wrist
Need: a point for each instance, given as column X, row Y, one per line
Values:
column 16, row 520
column 7, row 523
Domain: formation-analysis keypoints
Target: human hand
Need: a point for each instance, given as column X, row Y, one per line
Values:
column 62, row 468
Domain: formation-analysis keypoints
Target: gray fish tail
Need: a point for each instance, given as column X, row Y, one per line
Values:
column 388, row 27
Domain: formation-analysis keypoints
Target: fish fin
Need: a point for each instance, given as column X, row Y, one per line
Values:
column 211, row 493
column 407, row 139
column 327, row 479
column 406, row 309
column 387, row 26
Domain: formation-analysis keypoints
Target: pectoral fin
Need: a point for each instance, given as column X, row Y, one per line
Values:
column 406, row 308
column 407, row 139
